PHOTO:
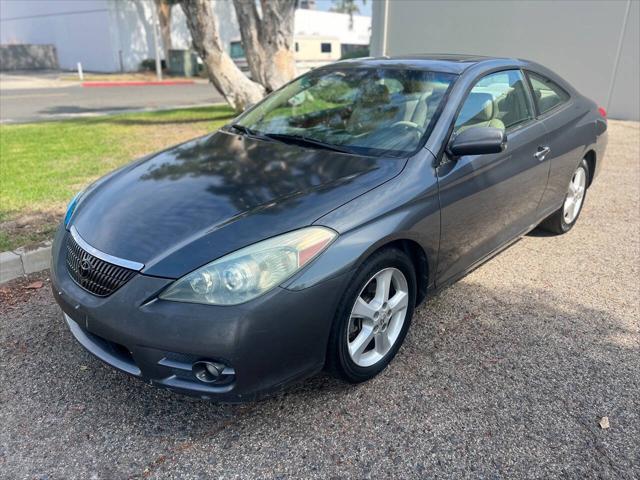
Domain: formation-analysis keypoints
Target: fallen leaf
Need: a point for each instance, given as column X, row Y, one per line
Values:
column 34, row 285
column 604, row 423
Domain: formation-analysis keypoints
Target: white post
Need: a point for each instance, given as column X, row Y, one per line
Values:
column 385, row 27
column 80, row 74
column 156, row 43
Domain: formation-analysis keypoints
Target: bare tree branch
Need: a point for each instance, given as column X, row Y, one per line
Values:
column 226, row 77
column 268, row 40
column 163, row 8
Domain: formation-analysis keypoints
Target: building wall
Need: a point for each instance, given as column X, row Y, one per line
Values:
column 332, row 24
column 80, row 31
column 592, row 44
column 133, row 22
column 624, row 102
column 114, row 35
column 309, row 48
column 104, row 35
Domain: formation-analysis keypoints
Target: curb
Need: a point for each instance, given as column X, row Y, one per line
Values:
column 21, row 262
column 137, row 83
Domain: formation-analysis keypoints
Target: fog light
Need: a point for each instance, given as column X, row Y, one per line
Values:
column 207, row 371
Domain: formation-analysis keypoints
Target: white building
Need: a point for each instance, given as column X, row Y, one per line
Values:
column 116, row 35
column 317, row 23
column 595, row 45
column 319, row 38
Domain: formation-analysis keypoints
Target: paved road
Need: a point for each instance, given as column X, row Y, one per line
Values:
column 504, row 375
column 39, row 104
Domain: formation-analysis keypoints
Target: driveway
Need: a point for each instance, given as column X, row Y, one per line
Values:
column 505, row 374
column 54, row 102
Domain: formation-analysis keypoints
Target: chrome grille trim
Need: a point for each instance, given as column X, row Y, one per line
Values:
column 121, row 262
column 92, row 273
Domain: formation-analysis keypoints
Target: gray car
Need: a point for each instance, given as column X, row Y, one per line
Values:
column 302, row 235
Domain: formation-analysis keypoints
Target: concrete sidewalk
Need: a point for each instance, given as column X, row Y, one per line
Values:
column 27, row 80
column 41, row 79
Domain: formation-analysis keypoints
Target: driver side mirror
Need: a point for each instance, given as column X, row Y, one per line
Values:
column 477, row 141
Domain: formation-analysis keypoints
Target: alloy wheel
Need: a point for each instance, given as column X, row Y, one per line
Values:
column 377, row 317
column 575, row 195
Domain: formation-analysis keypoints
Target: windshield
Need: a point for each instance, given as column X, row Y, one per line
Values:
column 361, row 110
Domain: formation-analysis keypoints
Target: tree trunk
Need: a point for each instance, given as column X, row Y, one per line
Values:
column 268, row 40
column 163, row 7
column 226, row 77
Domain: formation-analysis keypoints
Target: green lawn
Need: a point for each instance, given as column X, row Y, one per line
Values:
column 42, row 165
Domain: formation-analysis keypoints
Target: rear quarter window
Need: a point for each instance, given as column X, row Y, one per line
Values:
column 546, row 93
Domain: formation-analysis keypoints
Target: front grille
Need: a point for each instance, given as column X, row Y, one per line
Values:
column 93, row 274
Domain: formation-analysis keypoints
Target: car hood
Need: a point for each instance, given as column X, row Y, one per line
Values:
column 188, row 205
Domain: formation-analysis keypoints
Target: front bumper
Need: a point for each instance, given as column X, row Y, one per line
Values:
column 266, row 343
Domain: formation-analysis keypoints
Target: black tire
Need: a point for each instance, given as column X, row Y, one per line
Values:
column 339, row 362
column 555, row 223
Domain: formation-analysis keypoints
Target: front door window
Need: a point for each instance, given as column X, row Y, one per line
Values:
column 498, row 100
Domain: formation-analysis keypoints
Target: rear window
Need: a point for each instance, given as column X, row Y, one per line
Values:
column 546, row 93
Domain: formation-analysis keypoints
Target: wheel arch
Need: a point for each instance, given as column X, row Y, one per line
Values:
column 418, row 257
column 590, row 157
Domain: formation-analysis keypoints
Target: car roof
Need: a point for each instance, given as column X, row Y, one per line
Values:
column 449, row 63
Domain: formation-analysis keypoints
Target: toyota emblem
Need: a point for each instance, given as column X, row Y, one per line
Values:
column 85, row 268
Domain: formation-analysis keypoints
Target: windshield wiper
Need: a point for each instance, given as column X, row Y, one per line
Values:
column 307, row 142
column 243, row 129
column 250, row 132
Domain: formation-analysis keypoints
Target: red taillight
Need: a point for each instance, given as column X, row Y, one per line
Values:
column 603, row 112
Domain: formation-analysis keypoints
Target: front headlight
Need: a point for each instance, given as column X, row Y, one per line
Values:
column 71, row 207
column 251, row 271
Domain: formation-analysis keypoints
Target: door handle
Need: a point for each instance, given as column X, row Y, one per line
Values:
column 542, row 153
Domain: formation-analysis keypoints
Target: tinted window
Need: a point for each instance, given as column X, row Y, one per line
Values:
column 498, row 100
column 325, row 47
column 546, row 93
column 366, row 110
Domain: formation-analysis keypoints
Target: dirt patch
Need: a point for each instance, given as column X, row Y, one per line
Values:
column 29, row 229
column 20, row 290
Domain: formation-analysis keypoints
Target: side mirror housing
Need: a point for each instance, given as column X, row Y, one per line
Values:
column 478, row 141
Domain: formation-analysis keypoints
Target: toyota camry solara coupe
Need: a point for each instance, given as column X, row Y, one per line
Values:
column 302, row 235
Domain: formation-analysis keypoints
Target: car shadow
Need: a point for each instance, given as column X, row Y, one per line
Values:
column 553, row 318
column 540, row 233
column 472, row 352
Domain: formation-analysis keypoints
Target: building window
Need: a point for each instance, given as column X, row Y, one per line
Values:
column 236, row 50
column 297, row 47
column 325, row 47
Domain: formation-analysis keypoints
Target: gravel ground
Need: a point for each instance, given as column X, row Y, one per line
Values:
column 505, row 374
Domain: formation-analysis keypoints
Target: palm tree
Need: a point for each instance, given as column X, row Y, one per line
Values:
column 347, row 6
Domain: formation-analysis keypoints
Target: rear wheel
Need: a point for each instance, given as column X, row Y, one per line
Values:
column 563, row 219
column 373, row 317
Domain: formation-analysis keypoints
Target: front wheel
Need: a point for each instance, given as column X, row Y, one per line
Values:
column 563, row 219
column 373, row 317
